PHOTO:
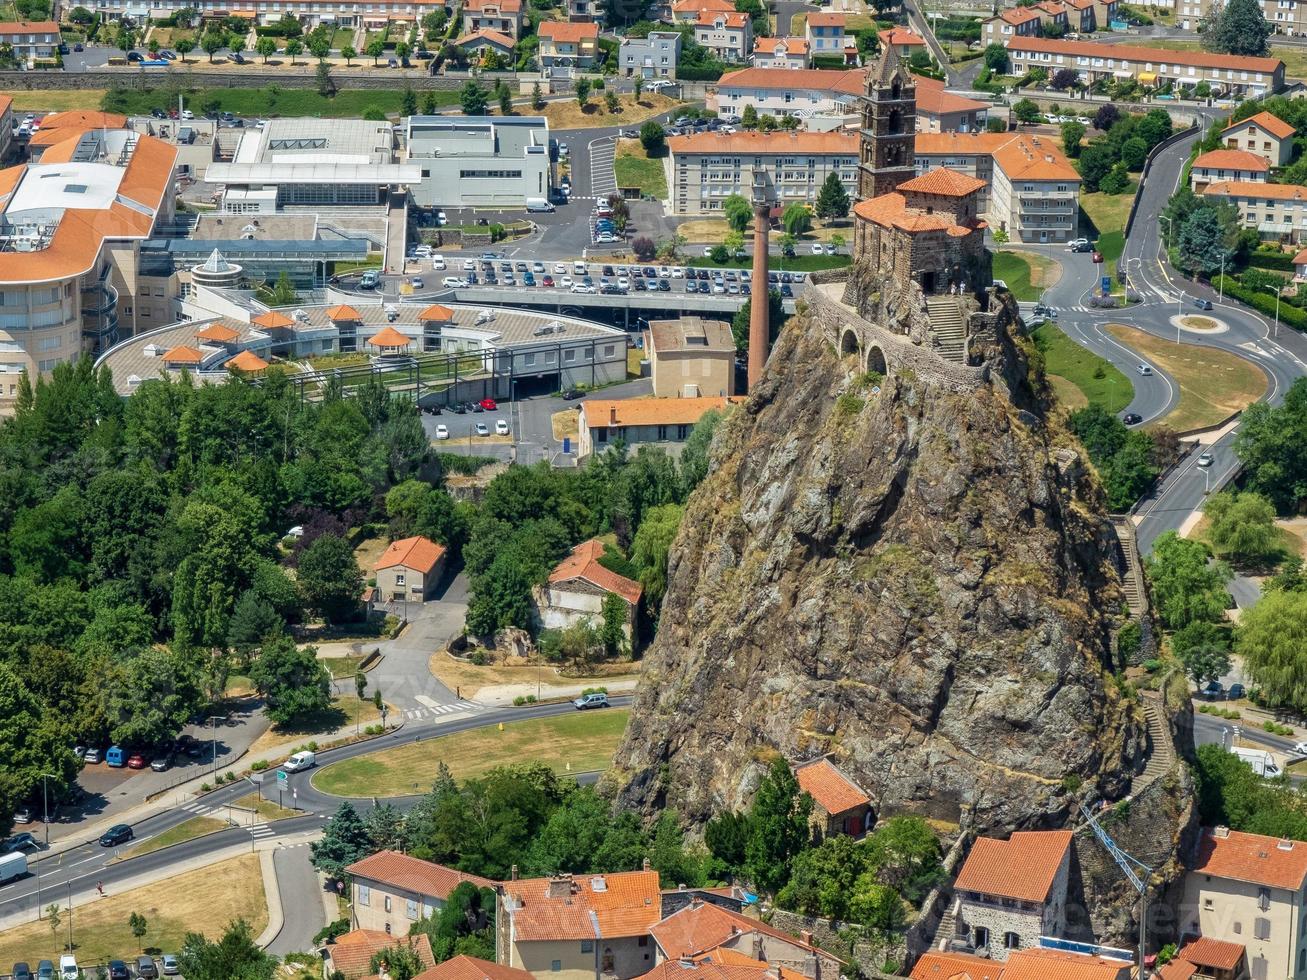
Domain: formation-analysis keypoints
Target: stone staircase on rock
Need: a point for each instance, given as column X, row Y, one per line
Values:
column 1161, row 753
column 948, row 326
column 946, row 931
column 1132, row 580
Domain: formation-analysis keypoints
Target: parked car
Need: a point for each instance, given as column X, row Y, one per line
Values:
column 418, row 283
column 1098, row 256
column 118, row 970
column 20, row 842
column 596, row 699
column 1203, row 304
column 442, row 431
column 23, row 815
column 22, row 971
column 170, row 966
column 92, row 756
column 300, row 761
column 453, row 282
column 1235, row 692
column 1205, row 460
column 146, row 969
column 572, row 394
column 1300, row 748
column 45, row 970
column 162, row 762
column 136, row 761
column 501, row 427
column 119, row 833
column 1213, row 690
column 68, row 968
column 1077, row 243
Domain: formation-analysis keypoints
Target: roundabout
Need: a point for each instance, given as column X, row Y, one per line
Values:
column 1200, row 324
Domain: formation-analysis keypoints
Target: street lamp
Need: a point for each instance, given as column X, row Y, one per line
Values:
column 1179, row 303
column 213, row 728
column 45, row 804
column 1276, row 290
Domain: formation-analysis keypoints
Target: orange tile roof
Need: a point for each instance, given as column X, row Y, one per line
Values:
column 718, row 966
column 49, row 137
column 83, row 119
column 826, row 19
column 1121, row 52
column 1256, row 188
column 1019, row 15
column 583, row 563
column 436, row 312
column 1022, row 867
column 410, row 873
column 901, row 37
column 340, row 313
column 829, row 788
column 471, row 968
column 946, row 966
column 1215, row 953
column 768, row 45
column 729, row 18
column 9, row 178
column 943, row 182
column 892, row 211
column 626, row 903
column 491, row 37
column 389, row 337
column 149, row 174
column 934, row 100
column 418, row 553
column 1252, row 857
column 566, row 32
column 1232, row 160
column 1274, row 125
column 599, row 413
column 351, row 953
column 779, row 142
column 29, row 27
column 272, row 320
column 247, row 361
column 835, row 82
column 183, row 355
column 1055, row 964
column 218, row 332
column 1178, row 970
column 1300, row 258
column 954, row 144
column 1027, row 157
column 688, row 6
column 504, row 6
column 1050, row 7
column 701, row 927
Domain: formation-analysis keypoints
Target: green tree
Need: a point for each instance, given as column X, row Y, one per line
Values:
column 32, row 741
column 214, row 41
column 1133, row 153
column 1073, row 134
column 139, row 926
column 377, row 47
column 265, row 47
column 738, row 211
column 694, row 454
column 1273, row 449
column 294, row 48
column 733, row 242
column 1272, row 641
column 749, row 117
column 253, row 620
column 652, row 543
column 796, row 219
column 638, row 87
column 1237, row 27
column 611, row 101
column 150, row 699
column 402, row 50
column 349, row 53
column 329, row 577
column 473, row 99
column 583, row 92
column 125, row 39
column 1202, row 242
column 1096, row 161
column 832, row 199
column 778, row 827
column 740, row 322
column 726, row 837
column 1117, row 180
column 1154, row 127
column 399, row 962
column 235, row 956
column 505, row 100
column 1205, row 663
column 184, row 47
column 344, row 841
column 236, row 45
column 997, row 60
column 1027, row 111
column 822, row 879
column 1243, row 528
column 719, row 254
column 294, row 683
column 653, row 138
column 408, row 103
column 1186, row 587
column 612, row 631
column 320, row 47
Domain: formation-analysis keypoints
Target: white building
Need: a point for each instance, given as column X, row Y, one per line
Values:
column 655, row 56
column 729, row 36
column 785, row 91
column 578, row 586
column 478, row 161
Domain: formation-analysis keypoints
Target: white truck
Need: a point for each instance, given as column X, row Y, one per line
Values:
column 12, row 866
column 300, row 761
column 1263, row 762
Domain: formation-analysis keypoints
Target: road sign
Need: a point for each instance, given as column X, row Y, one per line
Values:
column 1107, row 285
column 281, row 777
column 256, row 778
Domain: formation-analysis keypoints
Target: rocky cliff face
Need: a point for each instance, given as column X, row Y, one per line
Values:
column 917, row 581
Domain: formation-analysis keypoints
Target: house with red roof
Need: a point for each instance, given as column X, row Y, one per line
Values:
column 391, row 891
column 1219, row 166
column 1011, row 892
column 577, row 587
column 1249, row 891
column 839, row 806
column 704, row 930
column 1268, row 136
column 409, row 570
column 472, row 968
column 351, row 954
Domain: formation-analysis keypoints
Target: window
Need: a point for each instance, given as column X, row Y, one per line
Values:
column 1011, row 940
column 642, row 941
column 980, row 937
column 412, row 908
column 556, row 966
column 399, row 578
column 387, row 903
column 587, row 945
column 365, row 894
column 1264, row 894
column 1261, row 928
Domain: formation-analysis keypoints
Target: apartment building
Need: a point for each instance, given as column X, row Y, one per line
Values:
column 344, row 13
column 941, row 111
column 501, row 16
column 1049, row 18
column 1266, row 135
column 70, row 231
column 655, row 56
column 1287, row 17
column 1031, row 190
column 30, row 39
column 780, row 52
column 1233, row 75
column 1277, row 212
column 1218, row 166
column 709, row 167
column 568, row 45
column 1247, row 889
column 690, row 357
column 827, row 35
column 1010, row 23
column 779, row 92
column 729, row 36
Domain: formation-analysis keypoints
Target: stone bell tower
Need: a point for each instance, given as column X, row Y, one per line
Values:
column 889, row 126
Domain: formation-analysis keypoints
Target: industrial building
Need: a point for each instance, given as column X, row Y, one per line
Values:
column 478, row 161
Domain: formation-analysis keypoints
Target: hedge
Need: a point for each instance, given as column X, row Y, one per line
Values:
column 1277, row 261
column 1263, row 302
column 695, row 73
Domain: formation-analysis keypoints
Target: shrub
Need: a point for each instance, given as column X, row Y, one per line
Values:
column 1275, row 728
column 519, row 701
column 259, row 765
column 594, row 690
column 1071, row 782
column 329, row 932
column 1152, row 665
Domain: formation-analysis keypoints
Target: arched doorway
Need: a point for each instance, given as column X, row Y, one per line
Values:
column 876, row 361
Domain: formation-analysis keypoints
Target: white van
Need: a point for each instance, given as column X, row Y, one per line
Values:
column 579, row 268
column 438, row 263
column 68, row 969
column 12, row 866
column 538, row 204
column 299, row 762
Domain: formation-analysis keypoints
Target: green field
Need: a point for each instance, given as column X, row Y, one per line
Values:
column 187, row 830
column 583, row 740
column 265, row 102
column 1097, row 380
column 634, row 169
column 1015, row 270
column 1107, row 213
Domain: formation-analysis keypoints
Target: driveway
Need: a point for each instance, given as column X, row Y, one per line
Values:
column 403, row 676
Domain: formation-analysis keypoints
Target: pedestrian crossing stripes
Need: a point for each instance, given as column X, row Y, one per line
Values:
column 433, row 710
column 197, row 808
column 262, row 830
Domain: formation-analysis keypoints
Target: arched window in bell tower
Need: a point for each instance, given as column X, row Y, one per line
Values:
column 896, row 90
column 895, row 120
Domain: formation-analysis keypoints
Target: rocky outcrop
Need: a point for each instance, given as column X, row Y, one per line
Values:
column 916, row 579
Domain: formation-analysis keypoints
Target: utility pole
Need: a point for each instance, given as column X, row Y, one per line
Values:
column 1131, row 867
column 45, row 804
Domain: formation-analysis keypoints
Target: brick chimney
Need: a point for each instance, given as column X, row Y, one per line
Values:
column 759, row 327
column 612, row 415
column 560, row 886
column 512, row 873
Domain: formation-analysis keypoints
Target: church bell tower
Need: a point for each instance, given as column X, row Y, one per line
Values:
column 889, row 124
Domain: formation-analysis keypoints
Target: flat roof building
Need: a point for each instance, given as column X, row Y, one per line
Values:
column 478, row 161
column 690, row 357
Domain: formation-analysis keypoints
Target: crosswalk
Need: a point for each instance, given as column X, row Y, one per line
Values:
column 261, row 831
column 432, row 708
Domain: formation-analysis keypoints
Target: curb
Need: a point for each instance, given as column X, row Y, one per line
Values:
column 272, row 895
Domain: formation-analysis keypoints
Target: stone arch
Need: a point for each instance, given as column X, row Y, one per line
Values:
column 895, row 120
column 849, row 342
column 876, row 360
column 896, row 88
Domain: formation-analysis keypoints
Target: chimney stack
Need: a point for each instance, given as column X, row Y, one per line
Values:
column 760, row 300
column 512, row 873
column 612, row 415
column 644, row 865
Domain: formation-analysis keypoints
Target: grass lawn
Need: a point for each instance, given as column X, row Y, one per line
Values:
column 238, row 685
column 1075, row 371
column 189, row 830
column 205, row 900
column 1213, row 383
column 368, row 551
column 635, row 169
column 265, row 101
column 584, row 739
column 564, row 424
column 1107, row 213
column 344, row 711
column 51, row 100
column 342, row 667
column 266, row 809
column 567, row 114
column 1026, row 275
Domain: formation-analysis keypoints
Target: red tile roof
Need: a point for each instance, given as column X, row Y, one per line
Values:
column 418, row 553
column 490, row 37
column 943, row 182
column 1274, row 125
column 1300, row 258
column 1121, row 52
column 413, row 874
column 768, row 45
column 1252, row 857
column 834, row 82
column 217, row 332
column 1019, row 15
column 626, row 903
column 436, row 312
column 702, row 927
column 1055, row 964
column 183, row 355
column 729, row 18
column 472, row 968
column 946, row 966
column 829, row 788
column 569, row 33
column 793, row 141
column 272, row 320
column 1232, row 160
column 583, row 563
column 351, row 953
column 934, row 100
column 1022, row 867
column 901, row 37
column 1177, row 970
column 29, row 27
column 827, row 19
column 719, row 965
column 389, row 337
column 1256, row 188
column 1215, row 953
column 892, row 211
column 601, row 413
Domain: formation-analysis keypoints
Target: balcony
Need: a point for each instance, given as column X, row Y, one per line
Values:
column 99, row 300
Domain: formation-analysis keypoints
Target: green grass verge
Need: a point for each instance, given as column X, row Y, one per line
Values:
column 641, row 172
column 583, row 740
column 266, row 809
column 188, row 830
column 267, row 102
column 1014, row 270
column 1111, row 245
column 1101, row 383
column 342, row 667
column 800, row 263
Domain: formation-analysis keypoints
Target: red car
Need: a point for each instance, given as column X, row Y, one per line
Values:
column 136, row 761
column 547, row 281
column 488, row 404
